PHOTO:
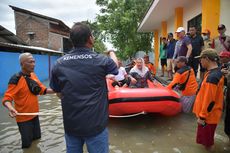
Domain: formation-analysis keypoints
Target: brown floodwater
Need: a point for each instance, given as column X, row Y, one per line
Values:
column 151, row 133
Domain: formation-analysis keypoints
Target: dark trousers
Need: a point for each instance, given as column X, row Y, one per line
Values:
column 194, row 63
column 29, row 130
column 122, row 82
column 227, row 115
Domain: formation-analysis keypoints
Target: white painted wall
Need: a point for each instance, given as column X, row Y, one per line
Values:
column 190, row 11
column 225, row 14
column 170, row 25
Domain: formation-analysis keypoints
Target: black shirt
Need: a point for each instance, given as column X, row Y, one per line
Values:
column 197, row 43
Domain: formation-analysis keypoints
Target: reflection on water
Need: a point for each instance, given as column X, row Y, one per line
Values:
column 142, row 134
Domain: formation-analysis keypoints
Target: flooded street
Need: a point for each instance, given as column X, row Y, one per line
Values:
column 150, row 133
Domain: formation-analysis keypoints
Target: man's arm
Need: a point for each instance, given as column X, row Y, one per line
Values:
column 9, row 106
column 175, row 53
column 175, row 81
column 189, row 52
column 113, row 56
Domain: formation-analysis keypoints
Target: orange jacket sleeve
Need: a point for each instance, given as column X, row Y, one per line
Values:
column 176, row 80
column 10, row 93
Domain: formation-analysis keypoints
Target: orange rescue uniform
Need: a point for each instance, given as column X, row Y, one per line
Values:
column 181, row 76
column 209, row 101
column 24, row 101
column 151, row 68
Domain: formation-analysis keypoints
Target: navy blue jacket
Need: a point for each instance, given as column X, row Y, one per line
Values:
column 80, row 78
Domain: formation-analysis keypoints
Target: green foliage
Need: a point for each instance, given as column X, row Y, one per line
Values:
column 119, row 19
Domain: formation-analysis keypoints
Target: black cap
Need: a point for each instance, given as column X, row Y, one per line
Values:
column 221, row 27
column 170, row 34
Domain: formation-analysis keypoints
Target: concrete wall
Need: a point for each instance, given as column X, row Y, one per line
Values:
column 9, row 65
column 225, row 14
column 170, row 25
column 190, row 11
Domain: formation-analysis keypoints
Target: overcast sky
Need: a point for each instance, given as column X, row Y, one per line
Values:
column 68, row 11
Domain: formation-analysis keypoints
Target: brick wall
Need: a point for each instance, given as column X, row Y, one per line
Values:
column 26, row 23
column 55, row 41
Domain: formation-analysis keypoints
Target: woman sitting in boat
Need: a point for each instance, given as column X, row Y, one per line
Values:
column 141, row 74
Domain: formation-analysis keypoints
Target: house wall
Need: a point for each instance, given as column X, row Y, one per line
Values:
column 45, row 35
column 190, row 11
column 26, row 23
column 55, row 41
column 224, row 14
column 170, row 25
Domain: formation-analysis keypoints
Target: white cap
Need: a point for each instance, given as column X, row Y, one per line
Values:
column 180, row 29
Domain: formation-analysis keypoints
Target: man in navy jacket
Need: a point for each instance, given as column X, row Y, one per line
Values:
column 79, row 78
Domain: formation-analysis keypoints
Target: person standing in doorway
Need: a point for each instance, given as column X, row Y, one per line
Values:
column 23, row 90
column 80, row 78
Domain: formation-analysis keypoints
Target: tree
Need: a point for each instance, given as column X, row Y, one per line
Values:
column 119, row 19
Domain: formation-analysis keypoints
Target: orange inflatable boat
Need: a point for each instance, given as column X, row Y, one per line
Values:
column 155, row 99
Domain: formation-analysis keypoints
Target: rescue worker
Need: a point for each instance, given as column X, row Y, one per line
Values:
column 23, row 90
column 150, row 65
column 185, row 81
column 208, row 105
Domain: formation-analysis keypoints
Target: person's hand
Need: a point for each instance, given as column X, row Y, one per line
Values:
column 111, row 77
column 133, row 81
column 201, row 122
column 107, row 52
column 174, row 61
column 12, row 110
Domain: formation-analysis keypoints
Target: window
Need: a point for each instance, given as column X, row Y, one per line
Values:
column 196, row 21
column 31, row 35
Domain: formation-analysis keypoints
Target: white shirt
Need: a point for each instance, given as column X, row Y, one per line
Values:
column 121, row 74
